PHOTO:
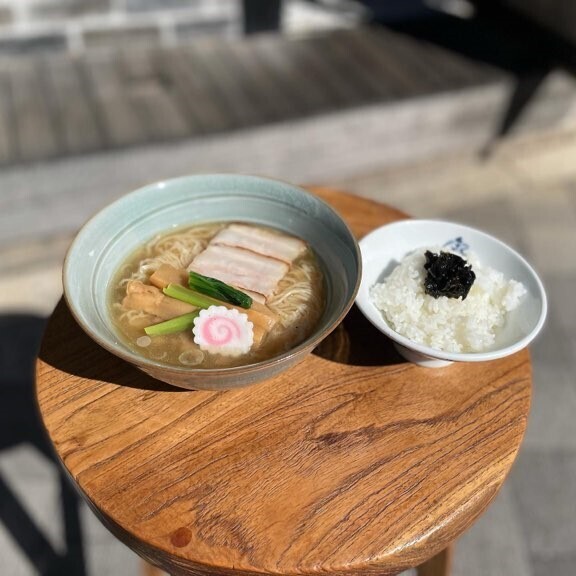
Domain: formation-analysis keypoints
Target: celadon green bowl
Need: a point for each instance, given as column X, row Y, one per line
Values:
column 107, row 239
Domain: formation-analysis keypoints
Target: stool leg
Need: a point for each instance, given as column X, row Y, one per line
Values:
column 150, row 570
column 438, row 565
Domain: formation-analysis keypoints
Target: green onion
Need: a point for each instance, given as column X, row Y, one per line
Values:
column 178, row 324
column 190, row 296
column 217, row 289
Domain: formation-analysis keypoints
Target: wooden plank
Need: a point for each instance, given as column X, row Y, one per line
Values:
column 35, row 135
column 72, row 106
column 7, row 136
column 183, row 74
column 359, row 65
column 260, row 92
column 317, row 58
column 120, row 123
column 281, row 58
column 162, row 117
column 138, row 64
column 60, row 105
column 283, row 93
column 233, row 93
column 423, row 63
column 380, row 58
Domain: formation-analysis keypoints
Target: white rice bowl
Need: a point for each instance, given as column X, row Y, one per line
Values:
column 448, row 324
column 388, row 245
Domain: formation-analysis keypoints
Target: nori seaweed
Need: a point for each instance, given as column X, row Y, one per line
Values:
column 447, row 275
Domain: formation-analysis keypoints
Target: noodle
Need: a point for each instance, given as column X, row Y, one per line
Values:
column 298, row 301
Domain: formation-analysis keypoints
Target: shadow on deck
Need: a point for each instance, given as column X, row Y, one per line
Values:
column 56, row 105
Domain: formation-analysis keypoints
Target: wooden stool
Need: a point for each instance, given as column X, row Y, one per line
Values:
column 354, row 462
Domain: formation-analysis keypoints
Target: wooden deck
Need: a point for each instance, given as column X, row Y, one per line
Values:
column 55, row 105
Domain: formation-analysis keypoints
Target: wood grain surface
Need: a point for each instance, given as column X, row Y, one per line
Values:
column 352, row 462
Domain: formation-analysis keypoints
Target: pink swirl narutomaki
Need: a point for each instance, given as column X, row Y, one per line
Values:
column 221, row 330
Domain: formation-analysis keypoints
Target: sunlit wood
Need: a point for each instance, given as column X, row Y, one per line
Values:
column 353, row 462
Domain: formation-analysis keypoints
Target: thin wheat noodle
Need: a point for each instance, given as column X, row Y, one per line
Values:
column 298, row 300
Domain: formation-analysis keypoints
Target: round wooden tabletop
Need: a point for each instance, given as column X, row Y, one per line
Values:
column 352, row 462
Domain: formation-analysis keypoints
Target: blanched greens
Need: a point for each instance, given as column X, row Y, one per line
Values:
column 172, row 326
column 219, row 290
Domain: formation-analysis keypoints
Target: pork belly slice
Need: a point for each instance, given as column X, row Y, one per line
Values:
column 242, row 268
column 262, row 241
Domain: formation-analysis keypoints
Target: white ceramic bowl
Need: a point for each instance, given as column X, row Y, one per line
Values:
column 386, row 246
column 108, row 238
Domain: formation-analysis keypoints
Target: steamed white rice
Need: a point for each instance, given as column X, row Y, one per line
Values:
column 449, row 324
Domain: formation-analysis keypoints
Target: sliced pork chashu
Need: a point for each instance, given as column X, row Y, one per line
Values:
column 242, row 268
column 265, row 242
column 250, row 258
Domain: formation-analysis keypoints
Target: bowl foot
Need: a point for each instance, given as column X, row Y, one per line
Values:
column 421, row 359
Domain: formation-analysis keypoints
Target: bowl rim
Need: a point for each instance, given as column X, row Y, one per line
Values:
column 142, row 361
column 367, row 307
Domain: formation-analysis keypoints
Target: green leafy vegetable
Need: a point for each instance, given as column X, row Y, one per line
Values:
column 178, row 324
column 217, row 289
column 190, row 296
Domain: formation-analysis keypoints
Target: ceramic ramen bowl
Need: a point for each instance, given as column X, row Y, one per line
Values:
column 382, row 251
column 106, row 240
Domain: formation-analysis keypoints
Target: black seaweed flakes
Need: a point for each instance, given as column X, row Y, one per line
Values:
column 447, row 275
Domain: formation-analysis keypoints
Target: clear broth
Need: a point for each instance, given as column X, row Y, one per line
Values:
column 298, row 301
